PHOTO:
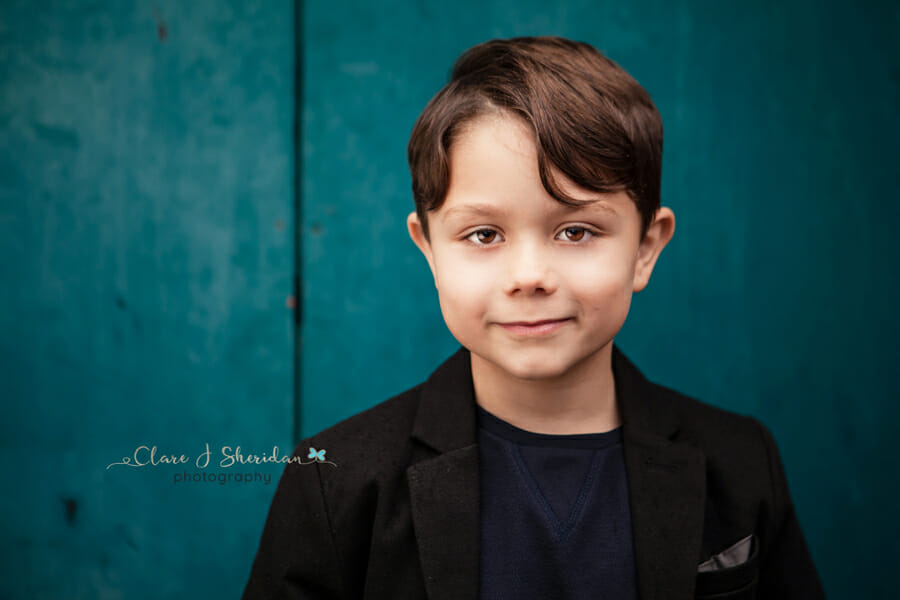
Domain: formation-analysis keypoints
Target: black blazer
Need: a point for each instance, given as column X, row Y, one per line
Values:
column 398, row 517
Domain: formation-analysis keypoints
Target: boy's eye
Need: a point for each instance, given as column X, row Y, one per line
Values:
column 483, row 236
column 575, row 234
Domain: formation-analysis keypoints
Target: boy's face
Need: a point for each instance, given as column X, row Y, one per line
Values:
column 526, row 283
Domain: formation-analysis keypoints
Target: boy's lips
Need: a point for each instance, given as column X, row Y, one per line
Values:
column 534, row 327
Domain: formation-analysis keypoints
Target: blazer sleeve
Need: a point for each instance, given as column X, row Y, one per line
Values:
column 297, row 557
column 786, row 568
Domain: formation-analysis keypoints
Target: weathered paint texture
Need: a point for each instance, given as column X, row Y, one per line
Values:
column 146, row 177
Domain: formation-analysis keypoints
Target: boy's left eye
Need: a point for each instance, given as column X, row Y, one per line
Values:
column 575, row 234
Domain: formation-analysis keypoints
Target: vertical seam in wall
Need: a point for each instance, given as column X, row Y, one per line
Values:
column 298, row 218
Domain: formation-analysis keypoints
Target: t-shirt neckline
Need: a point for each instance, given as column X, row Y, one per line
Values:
column 509, row 432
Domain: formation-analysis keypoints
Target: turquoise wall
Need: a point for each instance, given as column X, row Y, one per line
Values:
column 146, row 230
column 147, row 224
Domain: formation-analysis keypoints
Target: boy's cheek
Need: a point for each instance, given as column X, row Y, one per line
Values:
column 598, row 280
column 462, row 301
column 454, row 274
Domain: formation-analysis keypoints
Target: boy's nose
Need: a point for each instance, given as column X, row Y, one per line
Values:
column 529, row 271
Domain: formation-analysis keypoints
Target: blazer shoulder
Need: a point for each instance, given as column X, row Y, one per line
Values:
column 321, row 521
column 698, row 414
column 717, row 430
column 370, row 437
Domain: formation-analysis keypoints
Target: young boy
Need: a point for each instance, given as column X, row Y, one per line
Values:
column 537, row 461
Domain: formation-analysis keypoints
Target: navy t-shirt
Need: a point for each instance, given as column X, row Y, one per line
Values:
column 555, row 520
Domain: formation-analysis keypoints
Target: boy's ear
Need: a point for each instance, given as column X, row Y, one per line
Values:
column 658, row 235
column 417, row 233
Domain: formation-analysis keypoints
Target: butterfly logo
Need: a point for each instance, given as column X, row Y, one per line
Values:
column 316, row 454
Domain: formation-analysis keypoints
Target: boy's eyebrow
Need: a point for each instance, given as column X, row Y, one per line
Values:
column 596, row 206
column 476, row 210
column 486, row 210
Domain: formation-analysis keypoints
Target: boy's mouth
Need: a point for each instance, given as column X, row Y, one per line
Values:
column 534, row 327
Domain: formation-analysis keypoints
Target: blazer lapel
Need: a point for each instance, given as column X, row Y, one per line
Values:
column 667, row 487
column 443, row 482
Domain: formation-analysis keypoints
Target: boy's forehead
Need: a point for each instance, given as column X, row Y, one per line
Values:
column 494, row 167
column 510, row 131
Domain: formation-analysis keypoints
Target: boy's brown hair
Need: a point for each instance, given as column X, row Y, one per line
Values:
column 591, row 120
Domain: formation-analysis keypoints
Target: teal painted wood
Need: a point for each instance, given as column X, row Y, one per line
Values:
column 146, row 229
column 775, row 297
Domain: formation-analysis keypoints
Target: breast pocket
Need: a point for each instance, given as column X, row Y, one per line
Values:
column 732, row 583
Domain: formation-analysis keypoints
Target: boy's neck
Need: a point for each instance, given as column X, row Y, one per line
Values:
column 580, row 401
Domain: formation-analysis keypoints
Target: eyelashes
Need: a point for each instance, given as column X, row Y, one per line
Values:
column 491, row 237
column 483, row 237
column 578, row 235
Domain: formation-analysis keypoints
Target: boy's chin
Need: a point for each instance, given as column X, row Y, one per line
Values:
column 534, row 368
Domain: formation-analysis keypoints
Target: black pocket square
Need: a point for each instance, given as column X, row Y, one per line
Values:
column 736, row 555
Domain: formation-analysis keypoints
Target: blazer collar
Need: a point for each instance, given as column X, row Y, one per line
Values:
column 643, row 415
column 666, row 480
column 444, row 489
column 666, row 486
column 446, row 418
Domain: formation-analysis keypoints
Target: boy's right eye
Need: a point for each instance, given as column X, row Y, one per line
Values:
column 483, row 237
